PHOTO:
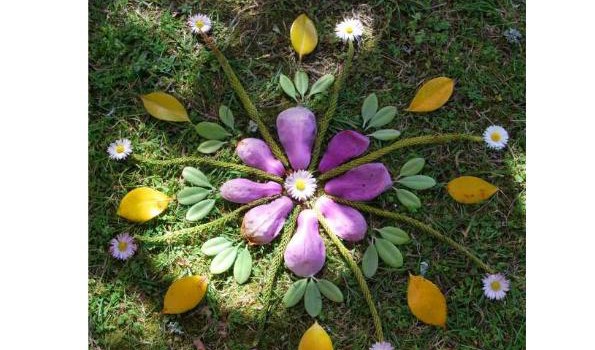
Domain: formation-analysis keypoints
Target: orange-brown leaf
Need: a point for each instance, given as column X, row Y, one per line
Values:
column 426, row 301
column 432, row 95
column 470, row 189
column 184, row 294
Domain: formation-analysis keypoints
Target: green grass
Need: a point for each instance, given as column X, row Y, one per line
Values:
column 137, row 47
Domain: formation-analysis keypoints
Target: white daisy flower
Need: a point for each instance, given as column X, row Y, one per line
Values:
column 496, row 137
column 382, row 346
column 199, row 23
column 349, row 29
column 122, row 247
column 495, row 286
column 120, row 149
column 300, row 185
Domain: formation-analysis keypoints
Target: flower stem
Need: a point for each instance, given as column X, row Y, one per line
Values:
column 208, row 161
column 419, row 225
column 359, row 276
column 271, row 281
column 330, row 112
column 245, row 99
column 412, row 141
column 185, row 234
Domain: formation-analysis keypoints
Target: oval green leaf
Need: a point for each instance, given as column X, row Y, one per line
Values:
column 224, row 260
column 301, row 82
column 211, row 131
column 384, row 116
column 385, row 134
column 200, row 210
column 295, row 293
column 369, row 107
column 389, row 253
column 210, row 146
column 191, row 195
column 243, row 266
column 165, row 107
column 226, row 116
column 370, row 261
column 322, row 84
column 215, row 246
column 417, row 182
column 287, row 86
column 412, row 167
column 312, row 299
column 408, row 199
column 394, row 234
column 196, row 177
column 330, row 290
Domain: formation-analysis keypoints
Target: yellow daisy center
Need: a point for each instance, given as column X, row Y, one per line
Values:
column 495, row 286
column 300, row 184
column 199, row 24
column 496, row 137
column 349, row 30
column 122, row 246
column 120, row 149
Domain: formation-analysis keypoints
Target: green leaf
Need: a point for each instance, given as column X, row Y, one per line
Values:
column 211, row 131
column 226, row 116
column 312, row 299
column 370, row 261
column 389, row 253
column 322, row 84
column 215, row 246
column 417, row 182
column 191, row 195
column 369, row 107
column 196, row 177
column 385, row 134
column 412, row 167
column 394, row 234
column 384, row 116
column 200, row 210
column 408, row 199
column 210, row 146
column 330, row 290
column 224, row 260
column 295, row 293
column 287, row 86
column 243, row 266
column 301, row 82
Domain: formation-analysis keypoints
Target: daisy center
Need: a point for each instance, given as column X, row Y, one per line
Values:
column 120, row 149
column 122, row 246
column 300, row 185
column 495, row 286
column 199, row 24
column 349, row 30
column 496, row 137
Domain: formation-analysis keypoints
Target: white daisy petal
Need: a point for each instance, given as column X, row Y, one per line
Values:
column 123, row 246
column 349, row 29
column 382, row 346
column 120, row 149
column 199, row 23
column 495, row 137
column 300, row 185
column 495, row 286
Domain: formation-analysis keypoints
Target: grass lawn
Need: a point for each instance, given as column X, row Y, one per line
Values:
column 136, row 47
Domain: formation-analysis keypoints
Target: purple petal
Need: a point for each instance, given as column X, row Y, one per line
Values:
column 263, row 223
column 362, row 183
column 343, row 147
column 296, row 127
column 305, row 253
column 245, row 191
column 344, row 221
column 256, row 153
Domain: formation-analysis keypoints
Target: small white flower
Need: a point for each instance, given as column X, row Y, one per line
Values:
column 300, row 185
column 252, row 126
column 382, row 346
column 349, row 29
column 120, row 149
column 123, row 246
column 496, row 137
column 199, row 23
column 495, row 286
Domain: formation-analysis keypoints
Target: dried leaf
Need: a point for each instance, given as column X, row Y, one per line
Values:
column 304, row 37
column 322, row 84
column 226, row 116
column 470, row 189
column 315, row 338
column 243, row 266
column 426, row 301
column 211, row 131
column 432, row 95
column 165, row 107
column 210, row 146
column 370, row 261
column 200, row 210
column 295, row 293
column 184, row 294
column 142, row 204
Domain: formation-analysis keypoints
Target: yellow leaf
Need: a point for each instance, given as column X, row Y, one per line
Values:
column 432, row 95
column 426, row 301
column 304, row 37
column 165, row 107
column 184, row 294
column 315, row 338
column 142, row 204
column 470, row 189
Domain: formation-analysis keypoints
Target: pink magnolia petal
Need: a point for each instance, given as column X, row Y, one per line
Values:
column 245, row 191
column 343, row 147
column 305, row 254
column 263, row 223
column 296, row 128
column 362, row 183
column 256, row 153
column 344, row 221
